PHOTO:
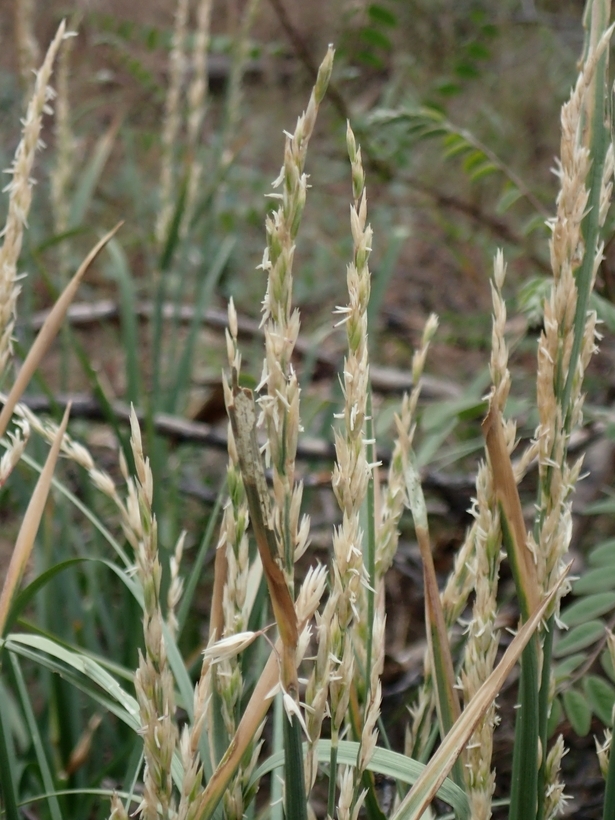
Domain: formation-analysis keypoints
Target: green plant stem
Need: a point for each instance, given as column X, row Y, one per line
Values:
column 332, row 774
column 8, row 801
column 295, row 797
column 524, row 782
column 609, row 793
column 370, row 562
column 543, row 713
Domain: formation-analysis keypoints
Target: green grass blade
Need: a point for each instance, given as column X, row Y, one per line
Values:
column 37, row 741
column 524, row 783
column 65, row 662
column 87, row 512
column 276, row 801
column 197, row 567
column 128, row 319
column 205, row 292
column 25, row 596
column 294, row 779
column 609, row 792
column 8, row 800
column 391, row 764
column 89, row 178
column 380, row 281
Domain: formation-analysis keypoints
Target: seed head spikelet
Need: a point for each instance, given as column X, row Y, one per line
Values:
column 153, row 680
column 20, row 197
column 483, row 638
column 171, row 123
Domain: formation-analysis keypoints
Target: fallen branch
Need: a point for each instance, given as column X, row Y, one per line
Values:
column 383, row 379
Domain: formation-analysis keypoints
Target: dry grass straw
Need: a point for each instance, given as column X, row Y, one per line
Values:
column 29, row 528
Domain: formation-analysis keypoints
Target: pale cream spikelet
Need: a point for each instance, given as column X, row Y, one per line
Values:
column 197, row 105
column 317, row 689
column 72, row 450
column 176, row 586
column 65, row 145
column 118, row 812
column 369, row 735
column 394, row 494
column 226, row 678
column 20, row 197
column 351, row 471
column 482, row 644
column 556, row 341
column 171, row 124
column 18, row 439
column 192, row 788
column 279, row 405
column 153, row 680
column 28, row 50
column 348, row 808
column 241, row 53
column 555, row 798
column 603, row 750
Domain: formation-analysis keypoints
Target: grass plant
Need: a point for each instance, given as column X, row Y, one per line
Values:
column 180, row 736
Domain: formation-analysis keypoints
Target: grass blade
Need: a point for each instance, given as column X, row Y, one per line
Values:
column 88, row 179
column 128, row 320
column 8, row 800
column 37, row 741
column 391, row 764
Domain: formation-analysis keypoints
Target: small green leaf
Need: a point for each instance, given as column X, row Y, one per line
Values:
column 466, row 70
column 478, row 51
column 606, row 661
column 449, row 89
column 555, row 717
column 564, row 669
column 508, row 198
column 455, row 145
column 577, row 711
column 474, row 160
column 588, row 608
column 603, row 555
column 601, row 696
column 483, row 170
column 579, row 638
column 534, row 223
column 600, row 579
column 376, row 38
column 382, row 15
column 606, row 506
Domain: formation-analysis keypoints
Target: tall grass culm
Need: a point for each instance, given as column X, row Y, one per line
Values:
column 194, row 740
